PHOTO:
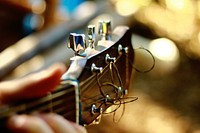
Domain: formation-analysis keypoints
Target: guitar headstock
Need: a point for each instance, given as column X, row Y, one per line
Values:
column 98, row 78
column 100, row 71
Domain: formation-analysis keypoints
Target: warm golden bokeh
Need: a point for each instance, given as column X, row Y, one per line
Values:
column 170, row 29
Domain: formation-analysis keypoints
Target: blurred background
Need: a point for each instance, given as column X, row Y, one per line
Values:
column 34, row 35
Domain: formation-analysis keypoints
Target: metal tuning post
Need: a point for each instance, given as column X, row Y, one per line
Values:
column 109, row 59
column 91, row 36
column 108, row 99
column 122, row 50
column 105, row 29
column 95, row 110
column 122, row 92
column 96, row 69
column 77, row 43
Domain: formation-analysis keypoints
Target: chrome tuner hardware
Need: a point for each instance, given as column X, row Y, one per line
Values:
column 109, row 59
column 105, row 29
column 122, row 50
column 91, row 36
column 125, row 92
column 108, row 99
column 96, row 69
column 77, row 43
column 122, row 92
column 95, row 110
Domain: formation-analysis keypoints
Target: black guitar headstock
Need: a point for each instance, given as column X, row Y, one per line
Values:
column 100, row 70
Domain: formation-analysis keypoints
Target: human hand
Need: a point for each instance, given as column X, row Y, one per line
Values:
column 33, row 86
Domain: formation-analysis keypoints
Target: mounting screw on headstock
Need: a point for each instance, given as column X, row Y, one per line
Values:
column 77, row 43
column 105, row 29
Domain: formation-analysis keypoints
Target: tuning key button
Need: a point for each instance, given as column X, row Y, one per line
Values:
column 109, row 59
column 122, row 49
column 96, row 69
column 105, row 29
column 77, row 43
column 91, row 36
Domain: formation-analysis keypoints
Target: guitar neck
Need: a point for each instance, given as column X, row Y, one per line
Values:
column 48, row 103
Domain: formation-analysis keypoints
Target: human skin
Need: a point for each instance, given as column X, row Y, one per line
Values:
column 33, row 86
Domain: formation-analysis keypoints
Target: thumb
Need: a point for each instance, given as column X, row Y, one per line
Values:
column 32, row 86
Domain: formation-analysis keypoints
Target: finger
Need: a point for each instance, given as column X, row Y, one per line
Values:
column 28, row 124
column 79, row 129
column 32, row 86
column 60, row 125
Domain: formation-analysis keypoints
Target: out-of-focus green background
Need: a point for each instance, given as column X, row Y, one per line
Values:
column 33, row 35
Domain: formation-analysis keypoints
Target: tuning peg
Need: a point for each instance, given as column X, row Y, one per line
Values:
column 91, row 36
column 109, row 59
column 95, row 110
column 105, row 29
column 122, row 49
column 77, row 43
column 96, row 69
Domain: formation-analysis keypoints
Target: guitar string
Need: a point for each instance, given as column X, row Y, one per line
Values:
column 110, row 83
column 119, row 98
column 111, row 72
column 102, row 93
column 118, row 75
column 100, row 100
column 97, row 100
column 53, row 97
column 62, row 102
column 32, row 106
column 38, row 104
column 112, row 77
column 153, row 64
column 121, row 101
column 43, row 108
column 98, row 82
column 122, row 114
